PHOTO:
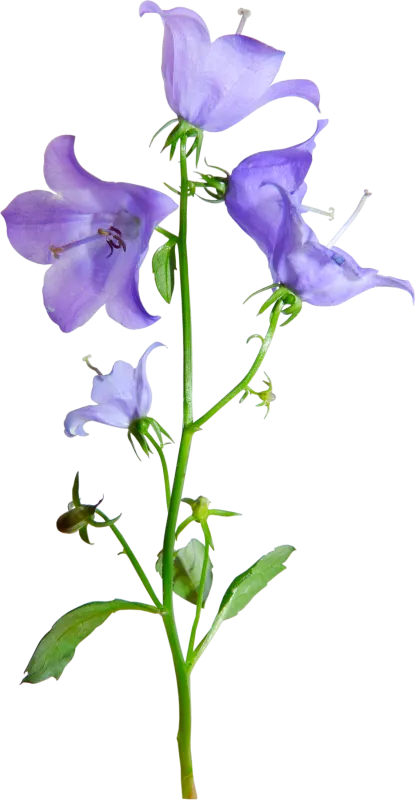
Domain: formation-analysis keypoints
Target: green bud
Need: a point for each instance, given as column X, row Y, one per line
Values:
column 200, row 511
column 215, row 187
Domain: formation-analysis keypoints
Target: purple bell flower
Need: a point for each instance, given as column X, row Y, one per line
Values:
column 122, row 397
column 265, row 197
column 94, row 234
column 214, row 85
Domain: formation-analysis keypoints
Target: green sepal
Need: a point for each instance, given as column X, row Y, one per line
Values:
column 104, row 524
column 245, row 395
column 220, row 169
column 57, row 648
column 187, row 570
column 75, row 491
column 164, row 265
column 83, row 532
column 166, row 125
column 259, row 291
column 294, row 309
column 184, row 525
column 159, row 430
column 217, row 512
column 215, row 186
column 253, row 580
column 188, row 131
column 269, row 302
column 197, row 145
column 139, row 429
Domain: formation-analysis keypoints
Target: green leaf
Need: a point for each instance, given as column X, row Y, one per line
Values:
column 57, row 648
column 249, row 583
column 187, row 569
column 164, row 265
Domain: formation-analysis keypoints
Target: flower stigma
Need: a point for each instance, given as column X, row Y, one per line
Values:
column 245, row 13
column 351, row 219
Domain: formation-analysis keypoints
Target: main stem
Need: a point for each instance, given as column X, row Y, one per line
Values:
column 182, row 674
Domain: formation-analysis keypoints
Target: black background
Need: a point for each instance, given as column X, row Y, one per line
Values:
column 331, row 470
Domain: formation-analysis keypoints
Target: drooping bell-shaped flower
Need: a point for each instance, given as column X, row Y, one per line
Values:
column 265, row 197
column 214, row 85
column 122, row 397
column 94, row 234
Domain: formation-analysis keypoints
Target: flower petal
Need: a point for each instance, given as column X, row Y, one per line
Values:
column 327, row 277
column 150, row 206
column 37, row 220
column 242, row 68
column 109, row 414
column 74, row 286
column 64, row 175
column 117, row 385
column 305, row 89
column 185, row 45
column 125, row 305
column 258, row 194
column 143, row 390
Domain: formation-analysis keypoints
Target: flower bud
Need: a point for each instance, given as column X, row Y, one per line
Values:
column 75, row 518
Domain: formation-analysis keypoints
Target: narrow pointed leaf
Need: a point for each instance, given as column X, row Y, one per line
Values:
column 57, row 648
column 164, row 266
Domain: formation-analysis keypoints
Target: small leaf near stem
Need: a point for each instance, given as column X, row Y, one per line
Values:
column 168, row 234
column 172, row 188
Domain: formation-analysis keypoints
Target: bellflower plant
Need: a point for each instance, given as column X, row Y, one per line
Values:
column 94, row 236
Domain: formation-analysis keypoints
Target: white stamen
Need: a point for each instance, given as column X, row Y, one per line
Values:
column 351, row 219
column 245, row 13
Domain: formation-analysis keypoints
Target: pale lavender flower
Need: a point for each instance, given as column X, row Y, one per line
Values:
column 122, row 397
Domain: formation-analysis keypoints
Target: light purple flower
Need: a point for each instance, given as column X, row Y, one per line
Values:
column 95, row 234
column 264, row 196
column 214, row 85
column 122, row 397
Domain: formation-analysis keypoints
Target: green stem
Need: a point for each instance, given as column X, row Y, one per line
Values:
column 164, row 466
column 274, row 316
column 185, row 286
column 129, row 553
column 200, row 600
column 184, row 524
column 182, row 676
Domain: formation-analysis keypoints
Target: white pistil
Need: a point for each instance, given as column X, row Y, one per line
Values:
column 351, row 219
column 245, row 13
column 329, row 214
